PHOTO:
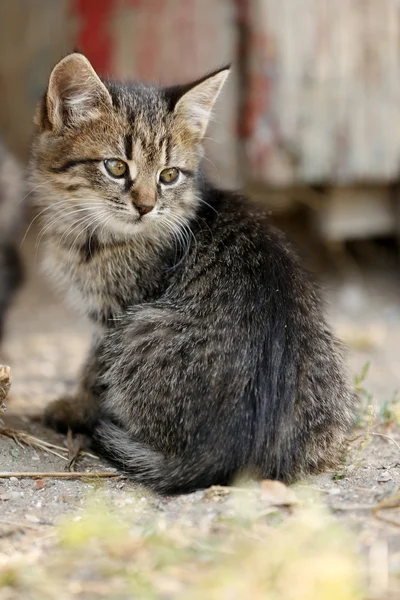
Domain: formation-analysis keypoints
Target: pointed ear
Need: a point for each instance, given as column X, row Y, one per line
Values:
column 197, row 100
column 75, row 92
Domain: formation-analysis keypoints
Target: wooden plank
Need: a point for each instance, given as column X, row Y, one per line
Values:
column 34, row 34
column 157, row 40
column 323, row 98
column 355, row 213
column 173, row 42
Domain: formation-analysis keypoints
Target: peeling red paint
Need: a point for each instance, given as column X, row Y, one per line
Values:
column 94, row 37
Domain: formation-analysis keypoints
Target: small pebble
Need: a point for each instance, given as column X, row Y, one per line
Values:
column 14, row 480
column 32, row 518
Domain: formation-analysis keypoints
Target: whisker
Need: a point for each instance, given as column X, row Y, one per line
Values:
column 60, row 218
column 103, row 222
column 63, row 216
column 70, row 229
column 38, row 215
column 184, row 232
column 82, row 225
column 32, row 191
column 50, row 207
column 88, row 224
column 206, row 203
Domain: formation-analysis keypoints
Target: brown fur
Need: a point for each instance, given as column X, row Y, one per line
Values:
column 212, row 356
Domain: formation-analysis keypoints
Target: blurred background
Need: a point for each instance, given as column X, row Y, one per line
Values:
column 309, row 124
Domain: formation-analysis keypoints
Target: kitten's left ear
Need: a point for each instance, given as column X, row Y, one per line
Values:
column 75, row 92
column 197, row 100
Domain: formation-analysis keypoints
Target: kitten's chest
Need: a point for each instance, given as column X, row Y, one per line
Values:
column 102, row 284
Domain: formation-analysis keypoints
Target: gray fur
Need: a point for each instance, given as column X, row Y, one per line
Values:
column 213, row 357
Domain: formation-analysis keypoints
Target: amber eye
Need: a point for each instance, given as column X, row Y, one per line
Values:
column 116, row 168
column 169, row 175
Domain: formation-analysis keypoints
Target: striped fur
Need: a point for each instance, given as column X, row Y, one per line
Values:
column 212, row 357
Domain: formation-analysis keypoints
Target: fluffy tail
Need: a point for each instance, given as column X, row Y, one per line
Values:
column 165, row 475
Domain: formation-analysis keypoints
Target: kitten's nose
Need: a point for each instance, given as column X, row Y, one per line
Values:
column 144, row 201
column 143, row 210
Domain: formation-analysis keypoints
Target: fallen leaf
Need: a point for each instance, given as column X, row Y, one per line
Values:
column 390, row 503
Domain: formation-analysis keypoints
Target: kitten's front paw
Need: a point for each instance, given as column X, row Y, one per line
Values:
column 67, row 413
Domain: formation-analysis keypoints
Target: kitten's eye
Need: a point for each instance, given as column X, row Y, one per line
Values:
column 116, row 168
column 169, row 175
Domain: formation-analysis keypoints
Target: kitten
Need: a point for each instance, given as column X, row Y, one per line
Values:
column 11, row 211
column 212, row 358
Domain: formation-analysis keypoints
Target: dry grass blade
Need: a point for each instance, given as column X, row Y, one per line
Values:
column 19, row 437
column 374, row 434
column 60, row 474
column 387, row 437
column 36, row 443
column 74, row 450
column 18, row 525
column 387, row 504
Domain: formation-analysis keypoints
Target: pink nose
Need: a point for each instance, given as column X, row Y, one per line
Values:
column 143, row 210
column 143, row 200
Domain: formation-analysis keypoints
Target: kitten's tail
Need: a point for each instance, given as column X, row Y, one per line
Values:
column 165, row 475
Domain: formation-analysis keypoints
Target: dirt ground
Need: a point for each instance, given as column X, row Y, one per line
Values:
column 45, row 345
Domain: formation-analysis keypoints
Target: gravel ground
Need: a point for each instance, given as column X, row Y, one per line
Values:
column 45, row 345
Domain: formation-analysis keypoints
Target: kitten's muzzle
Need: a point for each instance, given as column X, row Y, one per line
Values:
column 144, row 201
column 143, row 210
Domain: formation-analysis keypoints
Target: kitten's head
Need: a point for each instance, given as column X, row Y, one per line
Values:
column 118, row 159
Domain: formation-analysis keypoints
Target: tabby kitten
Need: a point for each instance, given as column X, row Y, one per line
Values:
column 11, row 212
column 212, row 357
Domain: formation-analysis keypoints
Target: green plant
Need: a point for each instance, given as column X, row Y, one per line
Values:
column 389, row 411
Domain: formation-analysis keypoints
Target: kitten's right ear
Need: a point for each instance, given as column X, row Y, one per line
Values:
column 196, row 100
column 75, row 94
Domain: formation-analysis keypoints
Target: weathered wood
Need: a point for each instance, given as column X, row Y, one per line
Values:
column 161, row 42
column 323, row 100
column 353, row 213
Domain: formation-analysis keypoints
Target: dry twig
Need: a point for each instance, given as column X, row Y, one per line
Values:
column 29, row 440
column 38, row 444
column 374, row 433
column 60, row 474
column 387, row 504
column 18, row 525
column 74, row 450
